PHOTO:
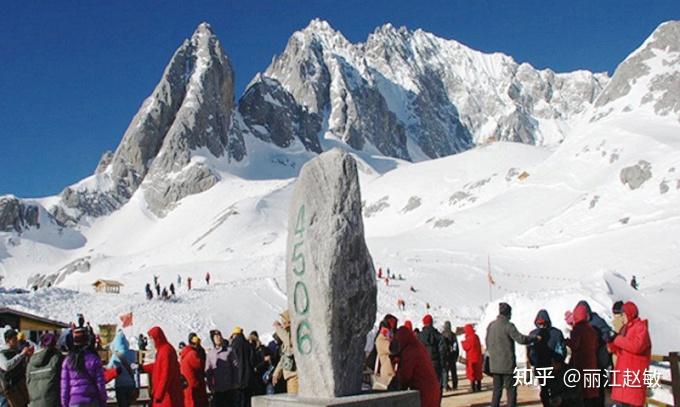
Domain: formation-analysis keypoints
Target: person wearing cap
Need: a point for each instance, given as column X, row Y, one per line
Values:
column 13, row 369
column 243, row 353
column 44, row 373
column 633, row 350
column 192, row 366
column 82, row 374
column 436, row 348
column 220, row 370
column 286, row 368
column 501, row 335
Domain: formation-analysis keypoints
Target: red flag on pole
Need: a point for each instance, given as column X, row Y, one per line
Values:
column 126, row 319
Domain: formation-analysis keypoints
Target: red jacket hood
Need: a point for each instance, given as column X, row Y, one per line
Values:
column 631, row 310
column 405, row 337
column 158, row 336
column 469, row 330
column 580, row 314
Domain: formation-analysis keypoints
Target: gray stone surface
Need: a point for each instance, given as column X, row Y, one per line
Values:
column 330, row 277
column 382, row 399
column 17, row 216
column 636, row 175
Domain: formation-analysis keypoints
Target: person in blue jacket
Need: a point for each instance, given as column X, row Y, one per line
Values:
column 122, row 358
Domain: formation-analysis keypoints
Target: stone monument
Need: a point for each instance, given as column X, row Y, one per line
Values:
column 331, row 289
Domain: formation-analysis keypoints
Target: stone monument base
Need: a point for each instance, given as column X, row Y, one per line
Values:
column 377, row 399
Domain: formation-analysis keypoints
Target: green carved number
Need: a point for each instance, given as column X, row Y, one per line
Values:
column 304, row 338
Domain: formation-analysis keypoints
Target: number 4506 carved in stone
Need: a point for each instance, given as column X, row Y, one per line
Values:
column 303, row 333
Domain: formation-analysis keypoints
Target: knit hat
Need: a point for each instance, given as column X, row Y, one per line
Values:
column 505, row 309
column 237, row 331
column 21, row 336
column 408, row 325
column 617, row 308
column 9, row 334
column 80, row 337
column 427, row 320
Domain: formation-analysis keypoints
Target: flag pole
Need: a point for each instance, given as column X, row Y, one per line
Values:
column 488, row 257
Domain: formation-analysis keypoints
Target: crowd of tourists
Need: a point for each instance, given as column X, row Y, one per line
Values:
column 68, row 370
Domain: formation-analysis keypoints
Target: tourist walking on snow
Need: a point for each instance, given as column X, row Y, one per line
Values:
column 44, row 373
column 634, row 283
column 189, row 283
column 172, row 289
column 415, row 369
column 501, row 335
column 193, row 366
column 149, row 293
column 179, row 281
column 207, row 278
column 473, row 358
column 633, row 349
column 165, row 376
column 82, row 374
column 436, row 348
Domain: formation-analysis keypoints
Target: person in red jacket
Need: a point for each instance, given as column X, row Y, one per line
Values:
column 473, row 358
column 415, row 369
column 583, row 344
column 192, row 367
column 633, row 350
column 166, row 385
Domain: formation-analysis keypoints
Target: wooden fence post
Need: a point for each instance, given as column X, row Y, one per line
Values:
column 675, row 376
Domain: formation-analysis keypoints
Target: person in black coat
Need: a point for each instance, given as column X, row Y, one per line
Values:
column 453, row 351
column 243, row 353
column 436, row 348
column 547, row 351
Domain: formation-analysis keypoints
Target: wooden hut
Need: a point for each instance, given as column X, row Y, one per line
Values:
column 107, row 286
column 32, row 325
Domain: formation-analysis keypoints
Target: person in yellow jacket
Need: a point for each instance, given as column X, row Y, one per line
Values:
column 286, row 367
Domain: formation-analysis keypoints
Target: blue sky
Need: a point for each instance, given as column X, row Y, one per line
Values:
column 73, row 73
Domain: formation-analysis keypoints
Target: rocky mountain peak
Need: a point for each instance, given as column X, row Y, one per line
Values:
column 649, row 77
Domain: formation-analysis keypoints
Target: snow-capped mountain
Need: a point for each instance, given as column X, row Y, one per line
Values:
column 586, row 199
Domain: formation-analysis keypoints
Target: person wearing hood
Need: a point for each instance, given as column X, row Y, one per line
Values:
column 82, row 374
column 44, row 373
column 243, row 353
column 261, row 361
column 501, row 335
column 13, row 366
column 473, row 358
column 604, row 358
column 453, row 352
column 220, row 370
column 122, row 359
column 547, row 351
column 192, row 366
column 415, row 369
column 633, row 350
column 436, row 348
column 583, row 344
column 165, row 376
